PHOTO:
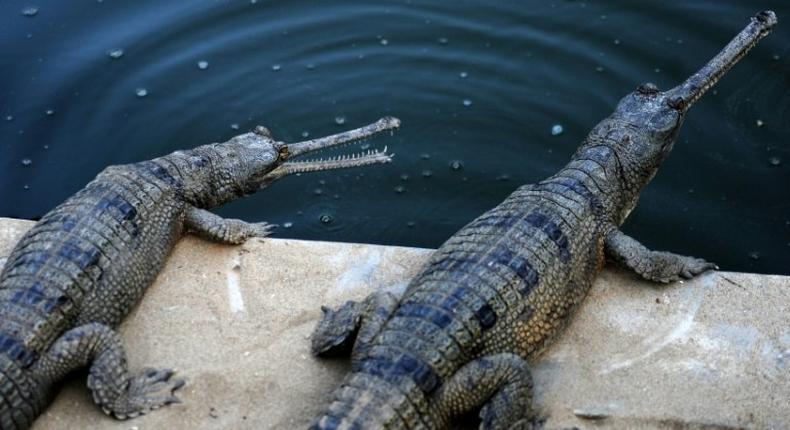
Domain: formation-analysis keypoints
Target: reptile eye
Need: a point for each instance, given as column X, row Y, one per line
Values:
column 677, row 103
column 283, row 153
column 647, row 88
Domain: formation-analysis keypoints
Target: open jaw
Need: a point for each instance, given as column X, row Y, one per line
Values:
column 343, row 161
column 695, row 86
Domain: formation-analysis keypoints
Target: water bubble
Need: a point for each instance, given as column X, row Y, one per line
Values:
column 310, row 66
column 599, row 69
column 657, row 70
column 46, row 146
column 384, row 42
column 115, row 53
column 326, row 218
column 288, row 224
column 27, row 161
column 503, row 177
column 556, row 129
column 141, row 92
column 616, row 41
column 456, row 165
column 9, row 118
column 366, row 145
column 427, row 173
column 463, row 75
column 442, row 40
column 774, row 161
column 754, row 255
column 340, row 120
column 467, row 102
column 50, row 112
column 234, row 126
column 318, row 192
column 30, row 11
column 253, row 1
column 410, row 224
column 202, row 64
column 400, row 189
column 776, row 57
column 276, row 67
column 305, row 134
column 404, row 177
column 425, row 156
column 760, row 123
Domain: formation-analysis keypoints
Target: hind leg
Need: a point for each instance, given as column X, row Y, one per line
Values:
column 499, row 384
column 352, row 326
column 114, row 388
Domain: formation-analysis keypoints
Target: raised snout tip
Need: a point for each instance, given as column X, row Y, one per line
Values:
column 767, row 18
column 388, row 122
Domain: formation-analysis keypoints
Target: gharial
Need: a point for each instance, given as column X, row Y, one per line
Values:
column 78, row 271
column 500, row 289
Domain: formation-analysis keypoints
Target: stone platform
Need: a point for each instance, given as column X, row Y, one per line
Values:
column 235, row 322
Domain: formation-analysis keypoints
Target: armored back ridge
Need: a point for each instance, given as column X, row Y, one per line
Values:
column 73, row 277
column 500, row 289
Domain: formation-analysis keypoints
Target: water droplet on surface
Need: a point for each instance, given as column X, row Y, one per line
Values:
column 467, row 102
column 463, row 75
column 340, row 120
column 141, row 92
column 305, row 134
column 760, row 123
column 556, row 129
column 326, row 218
column 456, row 165
column 400, row 189
column 30, row 11
column 202, row 64
column 384, row 42
column 427, row 173
column 288, row 224
column 442, row 40
column 276, row 67
column 234, row 126
column 774, row 161
column 754, row 255
column 27, row 161
column 50, row 112
column 115, row 53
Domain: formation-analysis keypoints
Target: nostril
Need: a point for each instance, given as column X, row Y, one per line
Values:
column 647, row 88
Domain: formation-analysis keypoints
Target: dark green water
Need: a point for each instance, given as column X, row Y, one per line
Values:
column 479, row 82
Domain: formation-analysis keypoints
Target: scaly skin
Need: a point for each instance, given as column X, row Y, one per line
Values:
column 499, row 290
column 85, row 264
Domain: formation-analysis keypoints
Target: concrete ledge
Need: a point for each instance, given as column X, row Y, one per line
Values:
column 235, row 321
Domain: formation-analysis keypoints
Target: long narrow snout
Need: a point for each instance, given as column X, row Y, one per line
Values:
column 384, row 124
column 695, row 86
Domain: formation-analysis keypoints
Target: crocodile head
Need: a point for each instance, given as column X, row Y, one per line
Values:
column 643, row 128
column 251, row 161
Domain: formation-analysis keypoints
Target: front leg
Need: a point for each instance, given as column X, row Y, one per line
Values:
column 352, row 327
column 656, row 266
column 223, row 230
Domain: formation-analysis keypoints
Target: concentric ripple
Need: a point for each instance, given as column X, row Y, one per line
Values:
column 492, row 95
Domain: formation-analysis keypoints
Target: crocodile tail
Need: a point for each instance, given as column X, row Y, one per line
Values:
column 22, row 398
column 370, row 398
